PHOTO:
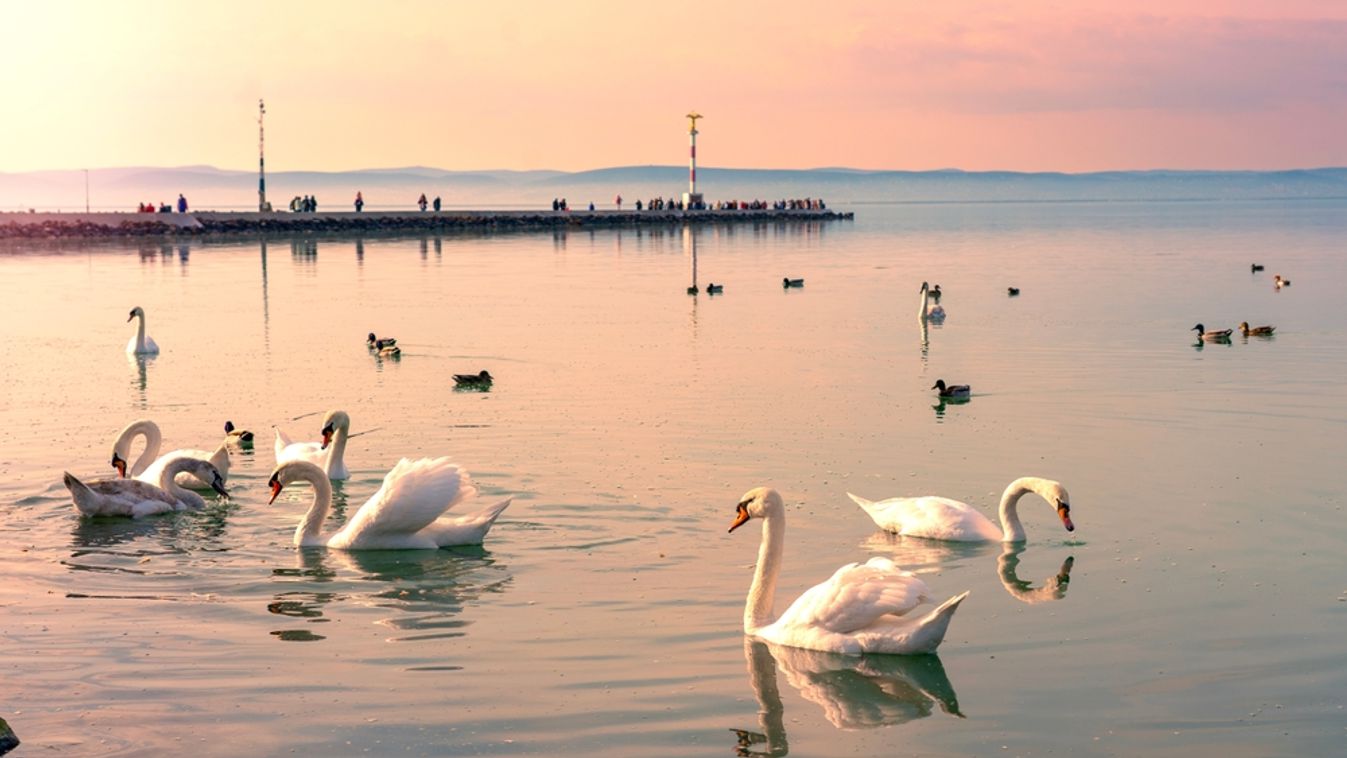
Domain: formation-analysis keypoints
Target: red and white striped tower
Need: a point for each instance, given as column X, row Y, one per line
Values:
column 692, row 161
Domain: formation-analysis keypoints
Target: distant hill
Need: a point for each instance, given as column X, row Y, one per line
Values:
column 220, row 189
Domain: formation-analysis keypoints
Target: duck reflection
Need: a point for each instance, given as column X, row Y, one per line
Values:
column 424, row 591
column 1054, row 587
column 855, row 692
column 944, row 402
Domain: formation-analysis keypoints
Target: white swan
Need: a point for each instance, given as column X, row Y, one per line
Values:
column 150, row 464
column 932, row 311
column 134, row 498
column 141, row 344
column 940, row 518
column 861, row 609
column 330, row 454
column 405, row 514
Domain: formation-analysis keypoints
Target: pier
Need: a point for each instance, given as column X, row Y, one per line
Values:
column 56, row 225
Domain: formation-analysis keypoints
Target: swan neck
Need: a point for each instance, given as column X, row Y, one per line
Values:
column 925, row 296
column 1011, row 528
column 758, row 611
column 140, row 331
column 335, row 455
column 168, row 481
column 154, row 439
column 311, row 525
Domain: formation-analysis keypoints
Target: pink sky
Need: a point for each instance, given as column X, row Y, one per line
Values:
column 908, row 84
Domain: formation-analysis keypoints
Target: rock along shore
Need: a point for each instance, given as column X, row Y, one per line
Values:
column 77, row 225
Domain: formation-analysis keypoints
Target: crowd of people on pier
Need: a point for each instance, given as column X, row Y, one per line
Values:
column 306, row 204
column 163, row 207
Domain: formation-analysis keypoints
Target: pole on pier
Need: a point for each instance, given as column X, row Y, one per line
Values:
column 261, row 158
column 86, row 190
column 692, row 199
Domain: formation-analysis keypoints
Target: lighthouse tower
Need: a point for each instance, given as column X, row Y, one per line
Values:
column 692, row 199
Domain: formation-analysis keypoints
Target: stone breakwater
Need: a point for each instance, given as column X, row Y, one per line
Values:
column 79, row 225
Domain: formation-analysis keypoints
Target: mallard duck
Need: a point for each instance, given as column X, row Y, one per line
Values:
column 1279, row 282
column 693, row 290
column 715, row 289
column 1255, row 267
column 390, row 351
column 935, row 293
column 375, row 343
column 952, row 390
column 1012, row 291
column 787, row 283
column 1257, row 331
column 480, row 379
column 237, row 435
column 1220, row 335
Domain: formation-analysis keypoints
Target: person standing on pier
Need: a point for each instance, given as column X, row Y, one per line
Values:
column 437, row 203
column 618, row 200
column 359, row 202
column 182, row 203
column 421, row 202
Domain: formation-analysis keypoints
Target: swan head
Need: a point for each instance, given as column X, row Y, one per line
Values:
column 136, row 311
column 333, row 421
column 204, row 471
column 1057, row 496
column 294, row 471
column 119, row 463
column 925, row 287
column 758, row 502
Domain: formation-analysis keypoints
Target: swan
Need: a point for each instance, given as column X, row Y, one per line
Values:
column 1257, row 331
column 860, row 609
column 335, row 430
column 142, row 343
column 480, row 379
column 1220, row 335
column 135, row 498
column 240, row 437
column 934, row 312
column 218, row 459
column 405, row 514
column 951, row 390
column 121, row 447
column 940, row 518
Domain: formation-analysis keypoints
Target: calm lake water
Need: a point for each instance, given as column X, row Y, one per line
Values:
column 1206, row 609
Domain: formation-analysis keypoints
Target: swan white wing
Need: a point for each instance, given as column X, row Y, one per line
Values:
column 287, row 451
column 933, row 517
column 413, row 495
column 120, row 497
column 856, row 596
column 152, row 472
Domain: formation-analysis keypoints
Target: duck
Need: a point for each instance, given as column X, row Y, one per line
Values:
column 375, row 343
column 1257, row 331
column 693, row 290
column 951, row 390
column 135, row 498
column 940, row 518
column 1220, row 335
column 1012, row 291
column 390, row 351
column 330, row 454
column 407, row 513
column 1279, row 282
column 862, row 608
column 481, row 379
column 142, row 343
column 787, row 283
column 1255, row 267
column 935, row 292
column 240, row 437
column 929, row 311
column 715, row 289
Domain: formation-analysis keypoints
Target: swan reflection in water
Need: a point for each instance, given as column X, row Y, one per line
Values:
column 921, row 555
column 855, row 692
column 140, row 366
column 425, row 591
column 1054, row 587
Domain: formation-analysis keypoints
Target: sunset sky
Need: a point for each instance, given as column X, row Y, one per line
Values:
column 1074, row 85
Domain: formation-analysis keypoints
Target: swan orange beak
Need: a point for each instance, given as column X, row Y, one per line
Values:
column 120, row 465
column 327, row 437
column 275, row 490
column 1064, row 511
column 740, row 518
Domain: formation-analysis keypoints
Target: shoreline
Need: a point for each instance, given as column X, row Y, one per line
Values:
column 193, row 224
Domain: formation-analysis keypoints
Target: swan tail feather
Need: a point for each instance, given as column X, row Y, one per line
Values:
column 930, row 631
column 82, row 495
